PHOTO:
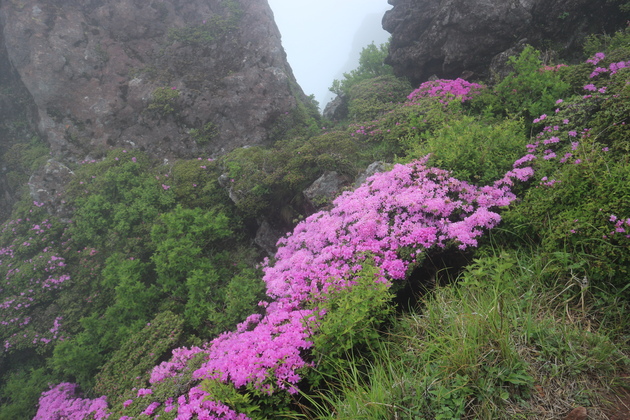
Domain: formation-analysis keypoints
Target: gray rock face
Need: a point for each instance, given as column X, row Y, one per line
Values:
column 173, row 77
column 373, row 168
column 325, row 188
column 450, row 37
column 17, row 125
column 46, row 187
column 267, row 238
column 337, row 109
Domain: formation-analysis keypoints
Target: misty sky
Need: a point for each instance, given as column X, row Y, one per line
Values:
column 323, row 38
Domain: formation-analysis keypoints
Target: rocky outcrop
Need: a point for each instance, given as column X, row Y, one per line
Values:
column 373, row 168
column 337, row 109
column 455, row 38
column 174, row 78
column 320, row 193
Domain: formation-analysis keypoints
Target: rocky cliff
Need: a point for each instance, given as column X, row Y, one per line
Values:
column 455, row 38
column 172, row 77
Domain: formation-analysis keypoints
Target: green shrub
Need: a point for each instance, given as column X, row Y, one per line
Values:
column 130, row 365
column 351, row 322
column 473, row 149
column 194, row 183
column 574, row 216
column 371, row 64
column 116, row 200
column 196, row 272
column 528, row 91
column 205, row 134
column 164, row 101
column 262, row 179
column 583, row 192
column 21, row 391
column 22, row 158
column 369, row 98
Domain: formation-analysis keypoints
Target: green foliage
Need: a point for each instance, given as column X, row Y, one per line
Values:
column 228, row 395
column 369, row 98
column 130, row 365
column 475, row 150
column 371, row 64
column 134, row 297
column 262, row 179
column 181, row 238
column 300, row 121
column 614, row 44
column 574, row 216
column 22, row 158
column 205, row 134
column 194, row 269
column 194, row 183
column 77, row 360
column 351, row 321
column 164, row 101
column 20, row 392
column 528, row 91
column 116, row 200
column 574, row 213
column 610, row 124
column 476, row 351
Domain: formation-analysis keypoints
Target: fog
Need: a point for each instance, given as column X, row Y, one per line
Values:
column 323, row 38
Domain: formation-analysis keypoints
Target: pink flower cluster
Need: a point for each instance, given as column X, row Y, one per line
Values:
column 200, row 404
column 412, row 207
column 612, row 67
column 29, row 272
column 59, row 403
column 621, row 226
column 446, row 90
column 176, row 365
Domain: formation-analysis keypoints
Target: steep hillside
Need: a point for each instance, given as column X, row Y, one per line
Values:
column 455, row 250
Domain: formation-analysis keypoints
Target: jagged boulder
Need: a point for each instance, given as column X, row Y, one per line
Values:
column 324, row 189
column 373, row 168
column 455, row 38
column 174, row 78
column 337, row 109
column 267, row 237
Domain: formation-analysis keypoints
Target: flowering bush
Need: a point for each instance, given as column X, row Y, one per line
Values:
column 392, row 219
column 59, row 404
column 411, row 208
column 527, row 90
column 445, row 90
column 582, row 171
column 33, row 274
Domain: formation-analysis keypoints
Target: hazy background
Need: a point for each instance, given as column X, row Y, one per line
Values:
column 323, row 38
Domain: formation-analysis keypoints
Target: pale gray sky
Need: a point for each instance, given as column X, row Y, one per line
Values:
column 323, row 38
